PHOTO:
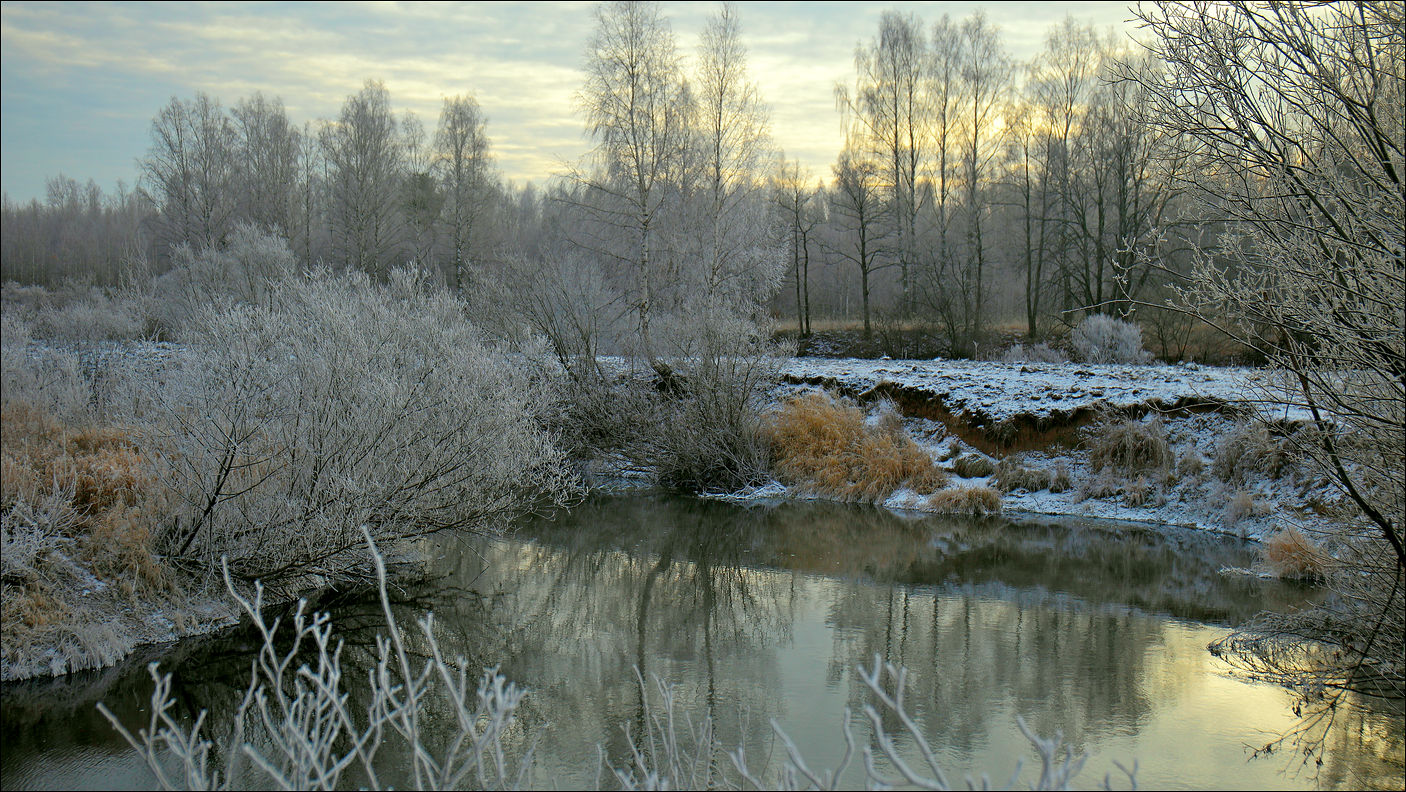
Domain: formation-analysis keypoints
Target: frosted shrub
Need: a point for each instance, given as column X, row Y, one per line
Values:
column 94, row 317
column 1103, row 339
column 702, row 429
column 334, row 404
column 1035, row 353
column 242, row 271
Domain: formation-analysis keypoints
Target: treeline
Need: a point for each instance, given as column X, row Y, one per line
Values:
column 973, row 192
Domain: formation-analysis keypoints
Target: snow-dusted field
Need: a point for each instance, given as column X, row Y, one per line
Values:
column 991, row 392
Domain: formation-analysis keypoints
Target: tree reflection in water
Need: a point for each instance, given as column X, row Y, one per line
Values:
column 763, row 612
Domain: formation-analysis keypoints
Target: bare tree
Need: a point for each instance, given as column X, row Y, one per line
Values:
column 189, row 172
column 266, row 157
column 859, row 215
column 735, row 156
column 463, row 164
column 1293, row 118
column 985, row 74
column 363, row 157
column 638, row 112
column 799, row 205
column 891, row 104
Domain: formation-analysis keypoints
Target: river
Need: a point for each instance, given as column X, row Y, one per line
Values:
column 762, row 612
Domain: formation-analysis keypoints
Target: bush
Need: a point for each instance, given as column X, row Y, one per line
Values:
column 95, row 317
column 1130, row 447
column 826, row 447
column 1037, row 353
column 244, row 270
column 975, row 501
column 703, row 427
column 1292, row 555
column 1250, row 448
column 1103, row 339
column 333, row 404
column 973, row 466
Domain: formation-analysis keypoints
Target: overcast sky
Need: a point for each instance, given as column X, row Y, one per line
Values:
column 82, row 81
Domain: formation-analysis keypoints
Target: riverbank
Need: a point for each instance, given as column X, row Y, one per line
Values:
column 1040, row 435
column 1031, row 438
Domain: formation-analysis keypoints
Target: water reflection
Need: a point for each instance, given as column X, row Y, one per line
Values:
column 763, row 612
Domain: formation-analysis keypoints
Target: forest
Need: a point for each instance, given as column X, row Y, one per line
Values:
column 1159, row 280
column 976, row 198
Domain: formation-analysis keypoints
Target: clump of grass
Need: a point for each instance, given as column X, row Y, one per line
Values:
column 1190, row 465
column 1130, row 447
column 1293, row 555
column 1012, row 476
column 1138, row 492
column 973, row 466
column 1060, row 480
column 975, row 501
column 78, row 509
column 1242, row 506
column 824, row 446
column 1250, row 448
column 1099, row 487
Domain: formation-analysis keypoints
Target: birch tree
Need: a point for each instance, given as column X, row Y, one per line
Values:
column 189, row 172
column 462, row 162
column 267, row 154
column 738, row 245
column 985, row 75
column 891, row 105
column 637, row 112
column 363, row 158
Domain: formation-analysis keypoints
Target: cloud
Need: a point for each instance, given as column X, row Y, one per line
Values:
column 113, row 66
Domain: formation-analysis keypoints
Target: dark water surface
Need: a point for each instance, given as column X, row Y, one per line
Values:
column 758, row 613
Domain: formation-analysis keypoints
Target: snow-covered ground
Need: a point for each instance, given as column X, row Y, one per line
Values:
column 991, row 391
column 1189, row 494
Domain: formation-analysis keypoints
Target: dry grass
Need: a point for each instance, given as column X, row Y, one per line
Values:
column 1060, row 480
column 1292, row 555
column 1130, row 447
column 973, row 466
column 78, row 507
column 1191, row 464
column 824, row 446
column 1138, row 493
column 1250, row 449
column 1012, row 476
column 975, row 501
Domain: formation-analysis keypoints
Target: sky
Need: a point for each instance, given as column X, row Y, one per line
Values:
column 80, row 82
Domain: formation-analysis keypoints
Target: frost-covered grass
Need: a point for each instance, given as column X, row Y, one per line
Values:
column 990, row 392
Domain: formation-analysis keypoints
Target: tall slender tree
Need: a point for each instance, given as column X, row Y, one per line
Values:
column 461, row 160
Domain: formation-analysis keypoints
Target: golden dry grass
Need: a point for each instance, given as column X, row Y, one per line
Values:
column 823, row 446
column 975, row 501
column 973, row 466
column 1292, row 555
column 94, row 475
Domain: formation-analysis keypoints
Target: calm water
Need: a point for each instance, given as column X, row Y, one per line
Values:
column 757, row 613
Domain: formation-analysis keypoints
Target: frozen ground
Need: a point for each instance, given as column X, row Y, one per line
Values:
column 990, row 391
column 1189, row 493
